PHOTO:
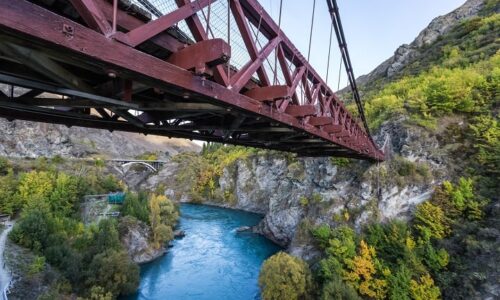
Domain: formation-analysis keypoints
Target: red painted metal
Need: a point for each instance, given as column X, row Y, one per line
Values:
column 320, row 121
column 143, row 33
column 320, row 115
column 301, row 110
column 92, row 15
column 269, row 93
column 202, row 55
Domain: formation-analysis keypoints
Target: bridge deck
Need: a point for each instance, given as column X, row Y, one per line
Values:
column 150, row 77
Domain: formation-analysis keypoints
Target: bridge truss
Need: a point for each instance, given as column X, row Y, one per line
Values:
column 168, row 67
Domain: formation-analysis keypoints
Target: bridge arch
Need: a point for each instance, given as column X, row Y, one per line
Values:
column 147, row 165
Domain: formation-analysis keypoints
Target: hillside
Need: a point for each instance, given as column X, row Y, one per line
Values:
column 424, row 224
column 421, row 225
column 31, row 139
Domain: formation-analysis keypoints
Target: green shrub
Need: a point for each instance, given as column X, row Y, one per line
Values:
column 36, row 266
column 5, row 165
column 336, row 289
column 430, row 221
column 284, row 277
column 136, row 205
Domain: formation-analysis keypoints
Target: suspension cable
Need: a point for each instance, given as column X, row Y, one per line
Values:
column 329, row 53
column 339, row 31
column 276, row 50
column 229, row 41
column 340, row 73
column 208, row 18
column 311, row 31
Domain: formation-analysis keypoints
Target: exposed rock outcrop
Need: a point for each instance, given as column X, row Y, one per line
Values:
column 292, row 191
column 31, row 139
column 135, row 236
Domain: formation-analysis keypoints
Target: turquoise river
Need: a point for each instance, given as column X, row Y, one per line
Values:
column 212, row 261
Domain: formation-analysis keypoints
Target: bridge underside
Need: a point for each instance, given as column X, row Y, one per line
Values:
column 70, row 67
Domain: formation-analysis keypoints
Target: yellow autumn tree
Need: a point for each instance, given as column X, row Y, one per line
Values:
column 284, row 277
column 424, row 289
column 35, row 188
column 362, row 271
column 162, row 215
column 430, row 221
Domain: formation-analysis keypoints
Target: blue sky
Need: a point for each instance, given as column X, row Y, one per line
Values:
column 374, row 29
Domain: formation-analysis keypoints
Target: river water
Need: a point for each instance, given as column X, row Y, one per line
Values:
column 212, row 261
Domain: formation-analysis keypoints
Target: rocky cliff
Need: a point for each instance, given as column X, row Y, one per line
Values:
column 292, row 191
column 31, row 139
column 136, row 238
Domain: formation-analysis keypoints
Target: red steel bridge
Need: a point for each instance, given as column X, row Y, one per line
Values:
column 212, row 70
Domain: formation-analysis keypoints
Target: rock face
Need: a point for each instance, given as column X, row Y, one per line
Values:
column 293, row 192
column 31, row 139
column 408, row 53
column 135, row 237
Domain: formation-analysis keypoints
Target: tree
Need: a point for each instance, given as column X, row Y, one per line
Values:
column 33, row 229
column 336, row 289
column 65, row 194
column 430, row 221
column 9, row 204
column 114, row 271
column 35, row 188
column 362, row 273
column 424, row 289
column 162, row 217
column 284, row 277
column 136, row 205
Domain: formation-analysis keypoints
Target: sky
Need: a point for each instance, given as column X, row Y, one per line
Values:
column 373, row 29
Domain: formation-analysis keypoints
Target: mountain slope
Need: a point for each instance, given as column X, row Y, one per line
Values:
column 31, row 139
column 425, row 220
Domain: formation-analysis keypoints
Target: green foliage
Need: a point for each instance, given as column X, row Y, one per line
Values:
column 36, row 266
column 401, row 171
column 365, row 272
column 284, row 277
column 460, row 200
column 113, row 271
column 162, row 216
column 437, row 92
column 4, row 165
column 322, row 235
column 110, row 183
column 136, row 205
column 303, row 201
column 33, row 229
column 399, row 284
column 430, row 221
column 340, row 161
column 336, row 289
column 424, row 289
column 57, row 159
column 99, row 293
column 148, row 156
column 9, row 203
column 91, row 259
column 200, row 174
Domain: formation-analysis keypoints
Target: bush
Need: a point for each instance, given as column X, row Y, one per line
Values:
column 33, row 229
column 115, row 272
column 336, row 289
column 424, row 289
column 284, row 277
column 4, row 165
column 136, row 205
column 430, row 221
